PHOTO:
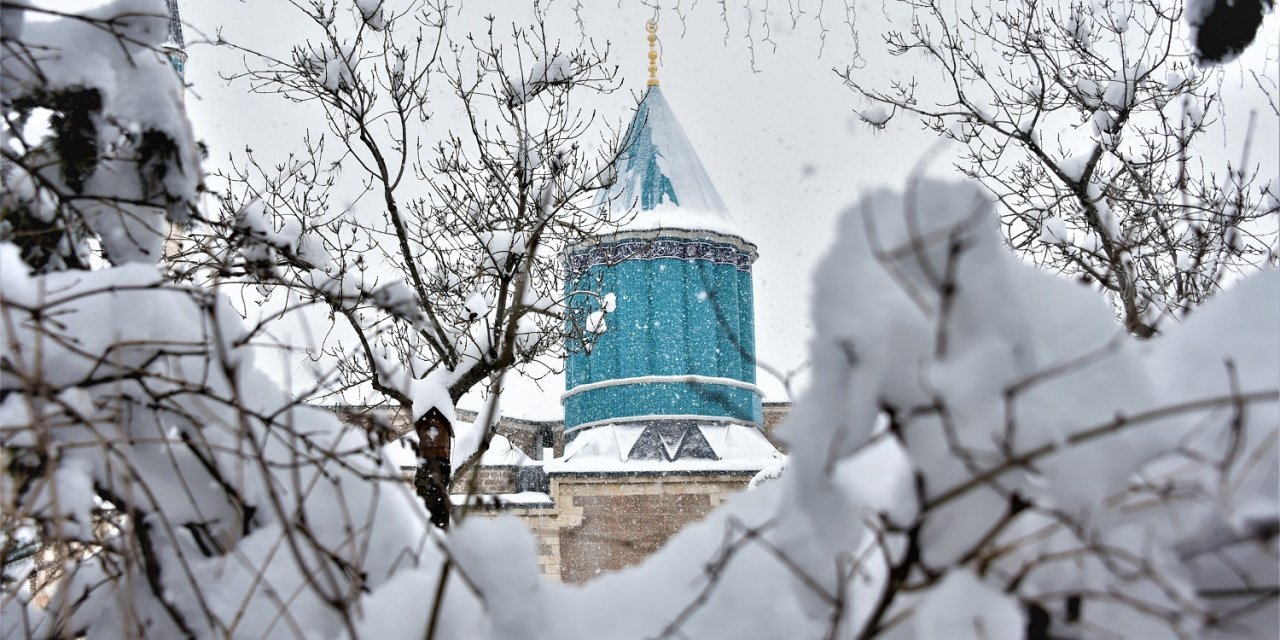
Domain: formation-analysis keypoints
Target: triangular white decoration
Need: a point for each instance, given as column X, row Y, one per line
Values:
column 625, row 437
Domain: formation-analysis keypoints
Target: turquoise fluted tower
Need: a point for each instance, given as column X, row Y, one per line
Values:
column 665, row 299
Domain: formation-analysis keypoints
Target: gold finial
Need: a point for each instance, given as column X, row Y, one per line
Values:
column 652, row 27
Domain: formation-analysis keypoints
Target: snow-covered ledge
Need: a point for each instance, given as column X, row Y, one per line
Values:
column 695, row 379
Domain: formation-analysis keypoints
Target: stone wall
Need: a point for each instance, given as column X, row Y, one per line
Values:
column 774, row 414
column 544, row 524
column 600, row 523
column 489, row 480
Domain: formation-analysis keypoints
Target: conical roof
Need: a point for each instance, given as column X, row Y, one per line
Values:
column 660, row 178
column 175, row 25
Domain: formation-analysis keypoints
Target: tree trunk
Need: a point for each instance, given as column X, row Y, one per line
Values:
column 431, row 480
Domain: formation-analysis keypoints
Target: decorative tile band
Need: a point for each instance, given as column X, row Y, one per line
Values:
column 658, row 249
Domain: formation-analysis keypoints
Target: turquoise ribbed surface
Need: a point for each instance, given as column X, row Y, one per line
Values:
column 673, row 317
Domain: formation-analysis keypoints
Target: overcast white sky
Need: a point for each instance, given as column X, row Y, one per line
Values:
column 780, row 141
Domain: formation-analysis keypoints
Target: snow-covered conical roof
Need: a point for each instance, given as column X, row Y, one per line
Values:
column 660, row 180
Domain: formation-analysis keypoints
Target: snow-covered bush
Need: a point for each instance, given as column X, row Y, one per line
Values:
column 174, row 490
column 984, row 453
column 98, row 153
column 153, row 482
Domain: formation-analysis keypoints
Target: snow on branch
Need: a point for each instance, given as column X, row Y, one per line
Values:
column 1087, row 119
